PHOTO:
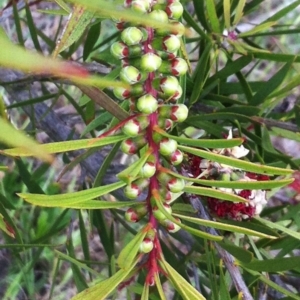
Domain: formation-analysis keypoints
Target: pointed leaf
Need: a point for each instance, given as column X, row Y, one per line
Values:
column 71, row 198
column 226, row 227
column 78, row 21
column 131, row 250
column 214, row 194
column 239, row 12
column 244, row 165
column 227, row 13
column 186, row 290
column 60, row 147
column 6, row 227
column 274, row 265
column 212, row 16
column 104, row 288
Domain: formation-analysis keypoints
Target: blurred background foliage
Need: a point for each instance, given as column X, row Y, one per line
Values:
column 244, row 74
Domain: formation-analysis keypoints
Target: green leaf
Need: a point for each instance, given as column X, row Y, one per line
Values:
column 244, row 165
column 212, row 16
column 214, row 193
column 104, row 288
column 227, row 13
column 274, row 265
column 256, row 29
column 200, row 74
column 239, row 12
column 186, row 290
column 247, row 185
column 71, row 199
column 159, row 287
column 222, row 226
column 78, row 21
column 145, row 293
column 205, row 143
column 191, row 230
column 60, row 147
column 240, row 253
column 295, row 136
column 17, row 58
column 15, row 138
column 279, row 227
column 131, row 173
column 129, row 253
column 270, row 86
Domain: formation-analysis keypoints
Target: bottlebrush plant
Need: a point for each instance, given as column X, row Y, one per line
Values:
column 186, row 218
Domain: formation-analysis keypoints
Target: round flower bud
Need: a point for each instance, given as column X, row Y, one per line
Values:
column 132, row 127
column 121, row 93
column 171, row 43
column 119, row 50
column 176, row 185
column 141, row 209
column 132, row 145
column 132, row 36
column 169, row 85
column 132, row 191
column 130, row 74
column 167, row 146
column 179, row 66
column 159, row 15
column 148, row 170
column 166, row 124
column 179, row 113
column 146, row 246
column 174, row 98
column 170, row 226
column 174, row 10
column 140, row 6
column 150, row 62
column 176, row 157
column 147, row 104
column 131, row 215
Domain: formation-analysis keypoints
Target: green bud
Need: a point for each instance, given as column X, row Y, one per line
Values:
column 132, row 145
column 176, row 157
column 151, row 234
column 171, row 43
column 170, row 226
column 146, row 246
column 148, row 170
column 176, row 185
column 176, row 67
column 119, row 50
column 147, row 104
column 140, row 6
column 130, row 75
column 141, row 209
column 167, row 146
column 121, row 93
column 169, row 86
column 132, row 191
column 150, row 62
column 131, row 215
column 132, row 36
column 174, row 10
column 132, row 127
column 177, row 113
column 159, row 15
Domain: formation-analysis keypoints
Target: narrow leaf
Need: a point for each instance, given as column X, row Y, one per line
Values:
column 71, row 198
column 239, row 12
column 60, row 147
column 78, row 21
column 104, row 288
column 244, row 165
column 222, row 226
column 186, row 290
column 131, row 250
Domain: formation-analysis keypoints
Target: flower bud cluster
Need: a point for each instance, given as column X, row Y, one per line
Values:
column 151, row 66
column 214, row 171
